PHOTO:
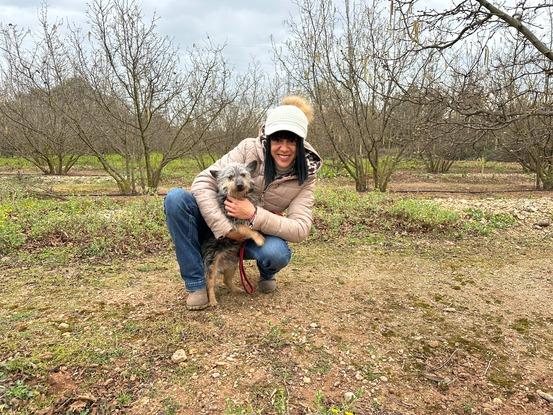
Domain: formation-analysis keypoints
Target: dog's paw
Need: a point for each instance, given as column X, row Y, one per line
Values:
column 259, row 240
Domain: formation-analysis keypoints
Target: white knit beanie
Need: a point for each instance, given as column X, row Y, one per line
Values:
column 287, row 118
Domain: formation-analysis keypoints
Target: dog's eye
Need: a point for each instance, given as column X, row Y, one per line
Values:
column 242, row 175
column 231, row 177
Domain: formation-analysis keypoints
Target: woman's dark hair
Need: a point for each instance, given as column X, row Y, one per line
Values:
column 300, row 163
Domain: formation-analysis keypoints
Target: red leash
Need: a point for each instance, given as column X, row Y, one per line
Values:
column 248, row 287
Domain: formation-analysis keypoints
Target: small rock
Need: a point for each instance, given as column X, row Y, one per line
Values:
column 450, row 310
column 542, row 223
column 349, row 396
column 306, row 379
column 63, row 326
column 215, row 375
column 434, row 343
column 383, row 379
column 358, row 376
column 179, row 356
column 497, row 401
column 313, row 325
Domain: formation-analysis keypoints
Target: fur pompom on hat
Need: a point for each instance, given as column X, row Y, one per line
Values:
column 294, row 114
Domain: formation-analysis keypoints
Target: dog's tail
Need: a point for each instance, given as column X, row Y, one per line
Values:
column 301, row 103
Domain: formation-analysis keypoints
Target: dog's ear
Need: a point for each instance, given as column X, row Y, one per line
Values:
column 252, row 166
column 214, row 173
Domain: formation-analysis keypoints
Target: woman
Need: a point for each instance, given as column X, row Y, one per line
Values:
column 284, row 181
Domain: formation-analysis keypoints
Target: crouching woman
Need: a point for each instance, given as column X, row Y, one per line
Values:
column 284, row 181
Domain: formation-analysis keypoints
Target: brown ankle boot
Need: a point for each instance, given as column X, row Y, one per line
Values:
column 267, row 286
column 197, row 300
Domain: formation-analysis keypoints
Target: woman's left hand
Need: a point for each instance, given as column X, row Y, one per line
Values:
column 239, row 208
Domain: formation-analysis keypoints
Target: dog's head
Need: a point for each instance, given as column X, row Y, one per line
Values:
column 235, row 180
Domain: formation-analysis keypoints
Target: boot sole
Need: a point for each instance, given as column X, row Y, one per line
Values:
column 197, row 307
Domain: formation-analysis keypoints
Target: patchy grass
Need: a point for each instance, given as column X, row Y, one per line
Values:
column 395, row 305
column 83, row 227
column 422, row 214
column 56, row 231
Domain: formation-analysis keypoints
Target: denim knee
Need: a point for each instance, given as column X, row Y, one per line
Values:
column 274, row 254
column 176, row 200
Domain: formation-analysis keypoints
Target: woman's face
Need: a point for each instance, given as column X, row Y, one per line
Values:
column 283, row 151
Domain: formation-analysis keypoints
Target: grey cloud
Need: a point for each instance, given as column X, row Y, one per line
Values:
column 245, row 26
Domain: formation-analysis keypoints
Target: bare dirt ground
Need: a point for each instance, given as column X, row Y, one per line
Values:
column 411, row 325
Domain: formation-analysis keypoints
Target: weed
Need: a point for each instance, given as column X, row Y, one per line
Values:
column 368, row 372
column 124, row 399
column 521, row 325
column 19, row 365
column 274, row 337
column 170, row 406
column 280, row 401
column 323, row 407
column 423, row 214
column 504, row 378
column 236, row 409
column 19, row 391
column 485, row 223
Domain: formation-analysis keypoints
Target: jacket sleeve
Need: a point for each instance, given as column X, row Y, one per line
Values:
column 204, row 189
column 295, row 226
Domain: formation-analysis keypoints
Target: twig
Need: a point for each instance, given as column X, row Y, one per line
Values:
column 446, row 362
column 548, row 397
column 487, row 367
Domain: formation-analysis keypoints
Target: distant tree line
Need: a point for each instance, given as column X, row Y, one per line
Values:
column 388, row 82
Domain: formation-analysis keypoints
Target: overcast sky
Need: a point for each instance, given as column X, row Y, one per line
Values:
column 244, row 25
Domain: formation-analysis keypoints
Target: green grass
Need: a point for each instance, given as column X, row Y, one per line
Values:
column 57, row 231
column 423, row 214
column 15, row 163
column 92, row 227
column 371, row 218
column 485, row 223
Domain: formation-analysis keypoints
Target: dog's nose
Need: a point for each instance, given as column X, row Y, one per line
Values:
column 239, row 187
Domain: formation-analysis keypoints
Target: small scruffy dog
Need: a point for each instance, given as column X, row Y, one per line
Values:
column 221, row 255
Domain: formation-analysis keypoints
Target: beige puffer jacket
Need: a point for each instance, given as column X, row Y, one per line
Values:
column 282, row 195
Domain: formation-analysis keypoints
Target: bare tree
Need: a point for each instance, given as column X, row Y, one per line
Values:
column 497, row 66
column 353, row 65
column 444, row 28
column 146, row 98
column 36, row 95
column 256, row 92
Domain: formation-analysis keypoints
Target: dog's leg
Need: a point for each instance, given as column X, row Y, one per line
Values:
column 228, row 276
column 251, row 234
column 211, row 281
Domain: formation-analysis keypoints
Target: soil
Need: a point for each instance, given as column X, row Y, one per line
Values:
column 411, row 325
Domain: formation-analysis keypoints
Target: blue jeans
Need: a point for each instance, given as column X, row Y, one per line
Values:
column 188, row 230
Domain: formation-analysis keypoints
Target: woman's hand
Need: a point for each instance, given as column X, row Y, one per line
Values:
column 239, row 208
